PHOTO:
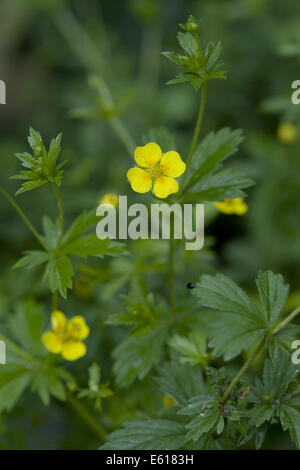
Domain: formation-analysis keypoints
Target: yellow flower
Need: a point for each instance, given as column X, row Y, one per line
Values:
column 168, row 401
column 159, row 170
column 235, row 206
column 110, row 199
column 66, row 337
column 287, row 133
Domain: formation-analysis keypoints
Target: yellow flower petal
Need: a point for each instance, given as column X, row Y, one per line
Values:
column 164, row 186
column 58, row 321
column 287, row 133
column 73, row 350
column 77, row 328
column 52, row 342
column 148, row 155
column 110, row 199
column 172, row 165
column 235, row 206
column 140, row 180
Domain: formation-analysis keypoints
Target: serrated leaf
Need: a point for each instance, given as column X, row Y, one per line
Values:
column 273, row 294
column 135, row 356
column 214, row 149
column 91, row 245
column 83, row 222
column 149, row 434
column 225, row 184
column 31, row 259
column 192, row 348
column 59, row 274
column 188, row 43
column 181, row 382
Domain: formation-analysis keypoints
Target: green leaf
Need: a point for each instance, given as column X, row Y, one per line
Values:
column 290, row 420
column 41, row 166
column 215, row 148
column 14, row 379
column 58, row 274
column 188, row 43
column 225, row 184
column 179, row 381
column 204, row 423
column 192, row 348
column 135, row 356
column 27, row 326
column 83, row 222
column 238, row 320
column 273, row 294
column 142, row 313
column 31, row 259
column 52, row 233
column 259, row 414
column 91, row 245
column 149, row 434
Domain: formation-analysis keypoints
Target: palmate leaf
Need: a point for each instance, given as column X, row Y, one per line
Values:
column 238, row 321
column 32, row 258
column 149, row 434
column 198, row 67
column 41, row 167
column 271, row 396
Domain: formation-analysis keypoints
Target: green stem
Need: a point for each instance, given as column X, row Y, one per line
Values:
column 54, row 301
column 286, row 321
column 87, row 416
column 197, row 130
column 251, row 358
column 24, row 217
column 60, row 209
column 171, row 265
column 123, row 134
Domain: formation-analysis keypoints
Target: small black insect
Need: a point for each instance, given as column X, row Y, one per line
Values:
column 190, row 285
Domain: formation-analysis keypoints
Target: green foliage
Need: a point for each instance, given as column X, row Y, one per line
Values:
column 206, row 180
column 192, row 348
column 41, row 165
column 147, row 434
column 199, row 67
column 96, row 391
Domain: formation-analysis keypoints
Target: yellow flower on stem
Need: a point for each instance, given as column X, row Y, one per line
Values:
column 287, row 133
column 66, row 336
column 235, row 206
column 158, row 170
column 110, row 199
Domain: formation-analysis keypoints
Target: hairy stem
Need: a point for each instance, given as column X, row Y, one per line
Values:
column 286, row 320
column 24, row 217
column 87, row 416
column 235, row 380
column 197, row 130
column 60, row 209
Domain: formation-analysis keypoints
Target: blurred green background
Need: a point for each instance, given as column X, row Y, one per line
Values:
column 55, row 57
